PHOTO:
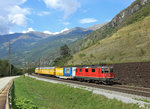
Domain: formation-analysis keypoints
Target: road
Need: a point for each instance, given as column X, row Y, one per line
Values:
column 4, row 81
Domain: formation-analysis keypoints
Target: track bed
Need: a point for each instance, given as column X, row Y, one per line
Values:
column 141, row 91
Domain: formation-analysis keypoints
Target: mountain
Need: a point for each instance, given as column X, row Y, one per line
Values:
column 28, row 47
column 20, row 42
column 97, row 26
column 126, row 38
column 48, row 49
column 135, row 12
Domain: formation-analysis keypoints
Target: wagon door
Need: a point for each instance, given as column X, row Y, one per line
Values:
column 98, row 72
column 73, row 71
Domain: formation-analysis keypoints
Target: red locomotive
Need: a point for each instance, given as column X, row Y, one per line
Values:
column 97, row 74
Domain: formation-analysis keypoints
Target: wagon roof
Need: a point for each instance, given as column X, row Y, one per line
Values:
column 45, row 68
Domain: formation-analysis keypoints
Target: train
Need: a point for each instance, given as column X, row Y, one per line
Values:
column 98, row 74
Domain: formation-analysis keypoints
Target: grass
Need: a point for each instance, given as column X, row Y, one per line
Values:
column 144, row 100
column 129, row 44
column 46, row 95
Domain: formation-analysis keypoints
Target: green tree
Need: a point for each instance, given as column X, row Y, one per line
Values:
column 64, row 51
column 4, row 69
column 30, row 70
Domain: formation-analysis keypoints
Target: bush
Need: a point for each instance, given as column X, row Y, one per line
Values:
column 81, row 55
column 20, row 103
column 61, row 61
column 30, row 70
column 24, row 104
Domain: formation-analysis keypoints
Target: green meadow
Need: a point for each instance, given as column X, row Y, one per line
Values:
column 29, row 93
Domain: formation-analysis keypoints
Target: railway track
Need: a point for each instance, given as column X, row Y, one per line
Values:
column 140, row 91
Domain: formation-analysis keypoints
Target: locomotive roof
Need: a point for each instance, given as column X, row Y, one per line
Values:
column 95, row 67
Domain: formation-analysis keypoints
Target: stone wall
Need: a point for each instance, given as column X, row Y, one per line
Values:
column 136, row 74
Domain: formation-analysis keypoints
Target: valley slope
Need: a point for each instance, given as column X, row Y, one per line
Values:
column 135, row 12
column 124, row 39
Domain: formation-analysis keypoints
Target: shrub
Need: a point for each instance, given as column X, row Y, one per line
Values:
column 82, row 55
column 24, row 104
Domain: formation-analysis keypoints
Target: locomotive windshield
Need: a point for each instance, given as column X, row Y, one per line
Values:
column 105, row 70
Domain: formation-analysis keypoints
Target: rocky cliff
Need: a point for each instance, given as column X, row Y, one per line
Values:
column 123, row 15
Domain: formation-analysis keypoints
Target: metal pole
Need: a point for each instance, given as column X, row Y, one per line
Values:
column 39, row 62
column 9, row 56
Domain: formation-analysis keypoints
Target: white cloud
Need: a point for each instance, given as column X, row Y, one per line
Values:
column 11, row 32
column 66, row 29
column 48, row 32
column 88, row 20
column 12, row 14
column 43, row 13
column 18, row 19
column 66, row 23
column 4, row 25
column 29, row 30
column 68, row 6
column 84, row 11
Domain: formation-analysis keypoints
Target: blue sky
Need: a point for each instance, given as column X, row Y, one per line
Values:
column 53, row 16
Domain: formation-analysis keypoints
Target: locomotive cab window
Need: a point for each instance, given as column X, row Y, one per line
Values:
column 93, row 70
column 106, row 70
column 80, row 70
column 86, row 70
